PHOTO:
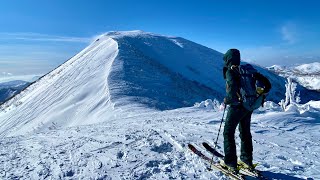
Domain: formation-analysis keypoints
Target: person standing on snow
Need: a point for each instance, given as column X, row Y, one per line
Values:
column 237, row 113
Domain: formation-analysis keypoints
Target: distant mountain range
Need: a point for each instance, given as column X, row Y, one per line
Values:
column 11, row 88
column 307, row 75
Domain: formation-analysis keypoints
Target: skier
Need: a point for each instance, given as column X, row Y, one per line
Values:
column 237, row 113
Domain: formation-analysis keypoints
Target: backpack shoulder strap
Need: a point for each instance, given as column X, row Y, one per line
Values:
column 247, row 69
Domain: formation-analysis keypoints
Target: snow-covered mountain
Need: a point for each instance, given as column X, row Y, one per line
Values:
column 307, row 75
column 312, row 68
column 120, row 71
column 11, row 88
column 118, row 110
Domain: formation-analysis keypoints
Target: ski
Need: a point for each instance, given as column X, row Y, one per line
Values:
column 212, row 150
column 246, row 171
column 216, row 165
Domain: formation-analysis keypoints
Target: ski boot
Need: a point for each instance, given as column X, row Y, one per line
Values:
column 249, row 167
column 231, row 168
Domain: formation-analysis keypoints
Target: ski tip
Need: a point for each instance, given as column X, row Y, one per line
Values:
column 190, row 146
column 205, row 144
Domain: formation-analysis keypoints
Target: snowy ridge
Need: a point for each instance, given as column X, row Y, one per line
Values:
column 126, row 70
column 120, row 73
column 117, row 110
column 312, row 68
column 307, row 75
column 59, row 96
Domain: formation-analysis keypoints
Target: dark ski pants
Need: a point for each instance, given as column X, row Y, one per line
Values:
column 237, row 115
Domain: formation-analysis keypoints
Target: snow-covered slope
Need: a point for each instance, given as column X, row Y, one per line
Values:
column 97, row 116
column 121, row 72
column 75, row 93
column 307, row 75
column 153, row 146
column 312, row 68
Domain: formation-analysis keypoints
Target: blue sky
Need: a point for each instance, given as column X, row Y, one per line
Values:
column 36, row 36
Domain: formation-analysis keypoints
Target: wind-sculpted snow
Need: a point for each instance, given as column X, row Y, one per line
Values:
column 156, row 72
column 73, row 94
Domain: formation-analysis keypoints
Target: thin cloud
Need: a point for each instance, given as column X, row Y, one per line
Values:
column 289, row 32
column 27, row 77
column 42, row 37
column 265, row 55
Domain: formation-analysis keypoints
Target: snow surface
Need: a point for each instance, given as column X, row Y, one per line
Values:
column 153, row 145
column 114, row 111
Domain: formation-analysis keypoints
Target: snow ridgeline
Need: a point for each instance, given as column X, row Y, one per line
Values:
column 118, row 74
column 73, row 94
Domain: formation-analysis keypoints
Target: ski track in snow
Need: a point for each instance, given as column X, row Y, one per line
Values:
column 153, row 145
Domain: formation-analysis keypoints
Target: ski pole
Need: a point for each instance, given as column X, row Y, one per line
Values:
column 215, row 144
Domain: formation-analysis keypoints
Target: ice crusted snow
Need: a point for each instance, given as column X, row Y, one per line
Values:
column 126, row 107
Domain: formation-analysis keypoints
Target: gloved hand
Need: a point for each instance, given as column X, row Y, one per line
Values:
column 222, row 106
column 224, row 100
column 260, row 90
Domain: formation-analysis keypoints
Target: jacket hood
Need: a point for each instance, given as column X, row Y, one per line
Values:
column 231, row 57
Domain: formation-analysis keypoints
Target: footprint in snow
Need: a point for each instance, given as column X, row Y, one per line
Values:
column 163, row 148
column 120, row 155
column 281, row 157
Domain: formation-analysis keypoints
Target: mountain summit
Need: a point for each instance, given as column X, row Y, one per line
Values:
column 121, row 72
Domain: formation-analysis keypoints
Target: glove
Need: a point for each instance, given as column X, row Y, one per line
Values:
column 222, row 106
column 260, row 90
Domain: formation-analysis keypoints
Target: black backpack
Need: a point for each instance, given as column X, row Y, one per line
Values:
column 251, row 100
